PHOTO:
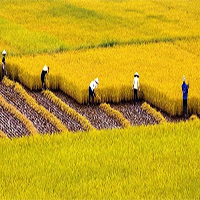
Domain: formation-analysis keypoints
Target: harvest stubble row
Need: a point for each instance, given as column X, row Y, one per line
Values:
column 98, row 118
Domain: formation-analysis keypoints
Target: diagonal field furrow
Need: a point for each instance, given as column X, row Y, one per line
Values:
column 41, row 124
column 98, row 118
column 70, row 123
column 134, row 113
column 13, row 127
column 10, row 125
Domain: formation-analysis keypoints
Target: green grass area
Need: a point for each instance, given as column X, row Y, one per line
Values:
column 153, row 162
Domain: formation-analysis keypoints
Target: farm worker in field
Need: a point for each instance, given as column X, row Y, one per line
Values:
column 136, row 86
column 45, row 70
column 3, row 63
column 185, row 88
column 92, row 86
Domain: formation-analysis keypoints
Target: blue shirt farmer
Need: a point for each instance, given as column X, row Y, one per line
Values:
column 185, row 90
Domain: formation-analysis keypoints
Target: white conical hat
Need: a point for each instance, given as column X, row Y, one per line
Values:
column 45, row 68
column 4, row 52
column 183, row 78
column 136, row 74
column 96, row 80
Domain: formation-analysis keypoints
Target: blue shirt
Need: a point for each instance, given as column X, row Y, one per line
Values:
column 185, row 90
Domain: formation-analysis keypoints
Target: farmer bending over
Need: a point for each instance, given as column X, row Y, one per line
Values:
column 45, row 70
column 92, row 86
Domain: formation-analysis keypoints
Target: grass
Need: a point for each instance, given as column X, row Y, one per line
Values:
column 153, row 162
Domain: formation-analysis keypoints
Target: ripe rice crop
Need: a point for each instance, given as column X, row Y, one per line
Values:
column 68, row 110
column 161, row 68
column 146, row 162
column 3, row 135
column 157, row 115
column 193, row 117
column 167, row 30
column 115, row 114
column 51, row 26
column 32, row 103
column 28, row 124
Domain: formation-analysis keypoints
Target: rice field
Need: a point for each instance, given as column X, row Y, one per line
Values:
column 113, row 152
column 159, row 39
column 29, row 27
column 153, row 162
column 161, row 67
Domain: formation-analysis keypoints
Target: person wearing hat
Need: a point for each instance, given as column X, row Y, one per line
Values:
column 45, row 70
column 185, row 88
column 136, row 87
column 92, row 86
column 3, row 63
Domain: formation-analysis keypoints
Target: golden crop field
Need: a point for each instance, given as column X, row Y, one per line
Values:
column 81, row 40
column 153, row 162
column 161, row 67
column 159, row 39
column 51, row 25
column 165, row 46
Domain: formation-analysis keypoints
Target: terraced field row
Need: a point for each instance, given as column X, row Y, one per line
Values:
column 96, row 116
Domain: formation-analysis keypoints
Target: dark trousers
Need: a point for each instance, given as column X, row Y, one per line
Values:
column 42, row 79
column 91, row 94
column 3, row 73
column 135, row 96
column 184, row 108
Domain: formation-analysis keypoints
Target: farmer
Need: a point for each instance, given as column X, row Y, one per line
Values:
column 185, row 88
column 3, row 63
column 92, row 86
column 45, row 70
column 136, row 87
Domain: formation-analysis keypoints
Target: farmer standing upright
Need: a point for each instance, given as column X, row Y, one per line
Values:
column 185, row 88
column 3, row 63
column 136, row 87
column 45, row 70
column 92, row 86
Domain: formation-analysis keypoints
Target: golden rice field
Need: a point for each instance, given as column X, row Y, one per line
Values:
column 153, row 162
column 159, row 39
column 51, row 26
column 81, row 40
column 161, row 67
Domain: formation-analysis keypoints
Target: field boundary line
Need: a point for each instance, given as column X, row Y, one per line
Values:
column 155, row 114
column 68, row 110
column 33, row 104
column 12, row 109
column 115, row 114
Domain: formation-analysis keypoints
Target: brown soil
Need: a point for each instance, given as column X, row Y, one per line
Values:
column 134, row 113
column 10, row 125
column 70, row 123
column 94, row 114
column 98, row 118
column 41, row 124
